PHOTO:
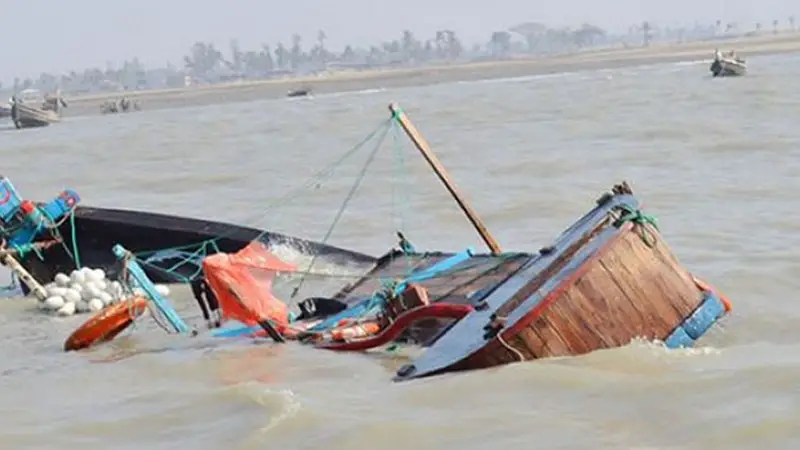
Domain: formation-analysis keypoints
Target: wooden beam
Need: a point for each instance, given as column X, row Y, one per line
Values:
column 423, row 147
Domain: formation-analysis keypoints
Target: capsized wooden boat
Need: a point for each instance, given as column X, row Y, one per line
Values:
column 607, row 280
column 727, row 65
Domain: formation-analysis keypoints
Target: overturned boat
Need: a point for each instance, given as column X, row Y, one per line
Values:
column 606, row 280
column 727, row 65
column 171, row 248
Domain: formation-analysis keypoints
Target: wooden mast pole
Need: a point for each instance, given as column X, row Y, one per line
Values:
column 423, row 147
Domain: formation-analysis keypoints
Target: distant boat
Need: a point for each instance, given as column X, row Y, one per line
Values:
column 124, row 104
column 727, row 65
column 30, row 110
column 302, row 92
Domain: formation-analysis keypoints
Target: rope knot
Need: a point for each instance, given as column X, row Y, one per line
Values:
column 640, row 221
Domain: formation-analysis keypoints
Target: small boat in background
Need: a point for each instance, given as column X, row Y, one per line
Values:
column 32, row 110
column 121, row 105
column 727, row 65
column 302, row 92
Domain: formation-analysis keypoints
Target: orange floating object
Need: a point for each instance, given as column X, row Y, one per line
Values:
column 703, row 286
column 242, row 284
column 106, row 324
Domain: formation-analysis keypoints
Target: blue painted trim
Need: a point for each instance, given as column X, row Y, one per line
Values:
column 435, row 269
column 236, row 332
column 679, row 339
column 698, row 323
column 10, row 200
column 42, row 216
column 367, row 305
column 163, row 305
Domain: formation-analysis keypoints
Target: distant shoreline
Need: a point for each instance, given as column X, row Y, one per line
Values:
column 419, row 76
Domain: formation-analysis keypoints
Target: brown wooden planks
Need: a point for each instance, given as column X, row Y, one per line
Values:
column 630, row 291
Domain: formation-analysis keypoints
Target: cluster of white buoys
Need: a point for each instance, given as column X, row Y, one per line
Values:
column 85, row 290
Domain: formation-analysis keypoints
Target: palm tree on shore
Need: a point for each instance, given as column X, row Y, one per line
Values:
column 205, row 62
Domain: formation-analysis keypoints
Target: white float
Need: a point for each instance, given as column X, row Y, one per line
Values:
column 86, row 290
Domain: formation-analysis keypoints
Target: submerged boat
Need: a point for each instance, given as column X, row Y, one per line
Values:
column 171, row 247
column 31, row 110
column 727, row 65
column 302, row 92
column 606, row 280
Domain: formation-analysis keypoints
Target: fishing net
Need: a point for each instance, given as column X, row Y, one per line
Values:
column 242, row 283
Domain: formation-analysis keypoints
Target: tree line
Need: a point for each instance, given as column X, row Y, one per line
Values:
column 206, row 63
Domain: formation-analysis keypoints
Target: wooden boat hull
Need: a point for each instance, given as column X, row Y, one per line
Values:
column 728, row 68
column 26, row 116
column 603, row 284
column 97, row 230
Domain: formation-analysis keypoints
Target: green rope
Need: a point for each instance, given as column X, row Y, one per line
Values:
column 640, row 219
column 348, row 197
column 146, row 253
column 76, row 257
column 399, row 174
column 22, row 250
column 396, row 114
column 313, row 181
column 156, row 268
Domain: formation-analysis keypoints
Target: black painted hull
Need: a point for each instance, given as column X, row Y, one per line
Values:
column 299, row 93
column 97, row 230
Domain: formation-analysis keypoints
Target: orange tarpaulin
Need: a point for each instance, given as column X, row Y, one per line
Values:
column 242, row 283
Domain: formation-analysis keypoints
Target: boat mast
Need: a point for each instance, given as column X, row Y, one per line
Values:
column 444, row 177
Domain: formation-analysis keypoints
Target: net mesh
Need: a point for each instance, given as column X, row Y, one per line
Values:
column 243, row 284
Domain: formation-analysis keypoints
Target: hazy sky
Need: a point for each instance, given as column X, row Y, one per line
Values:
column 57, row 35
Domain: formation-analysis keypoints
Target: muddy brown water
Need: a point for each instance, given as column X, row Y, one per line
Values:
column 715, row 160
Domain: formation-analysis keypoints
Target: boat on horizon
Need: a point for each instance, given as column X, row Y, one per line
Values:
column 120, row 105
column 727, row 65
column 301, row 92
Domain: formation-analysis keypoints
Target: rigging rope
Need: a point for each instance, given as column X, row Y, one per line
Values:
column 201, row 247
column 340, row 212
column 640, row 220
column 400, row 169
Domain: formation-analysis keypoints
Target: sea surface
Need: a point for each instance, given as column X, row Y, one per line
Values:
column 717, row 161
